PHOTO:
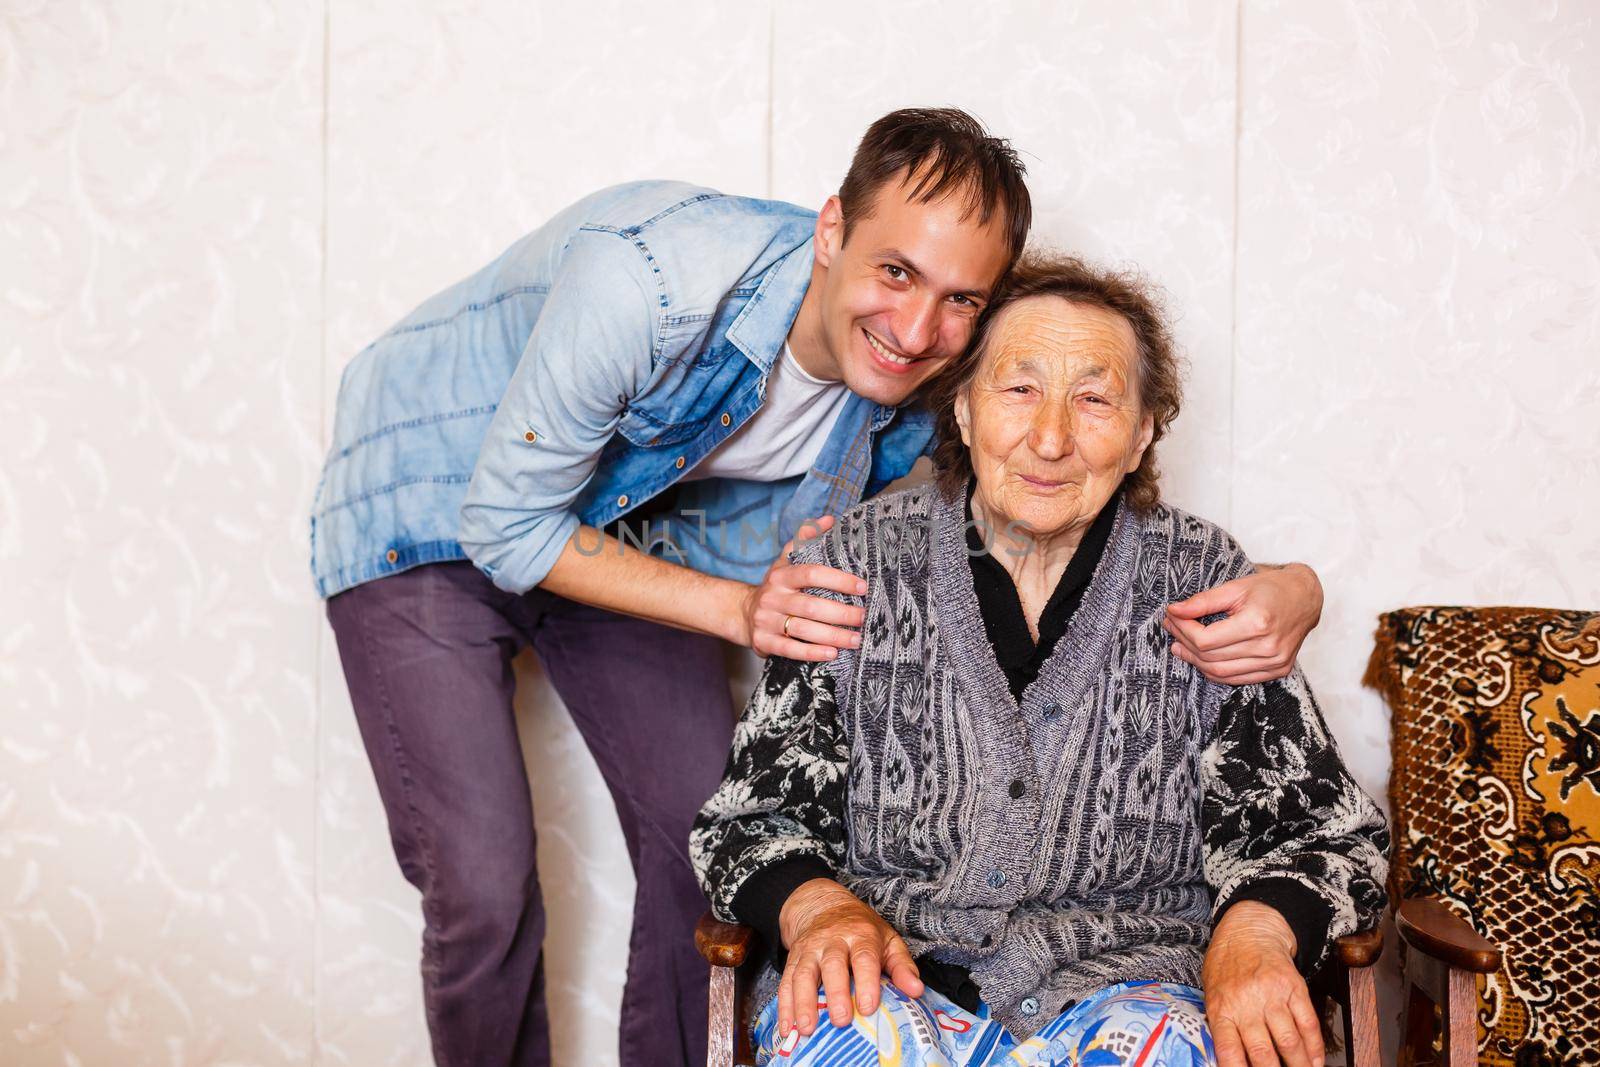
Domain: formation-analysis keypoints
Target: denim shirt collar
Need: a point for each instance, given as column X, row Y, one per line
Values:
column 765, row 322
column 762, row 326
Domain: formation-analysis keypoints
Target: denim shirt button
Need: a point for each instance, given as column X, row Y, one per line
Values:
column 678, row 462
column 622, row 501
column 530, row 437
column 1030, row 1006
column 391, row 555
column 997, row 878
column 727, row 420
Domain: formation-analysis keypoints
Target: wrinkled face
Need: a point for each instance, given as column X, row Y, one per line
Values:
column 1052, row 418
column 900, row 297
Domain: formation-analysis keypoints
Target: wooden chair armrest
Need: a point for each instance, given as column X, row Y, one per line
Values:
column 1436, row 931
column 1360, row 949
column 722, row 944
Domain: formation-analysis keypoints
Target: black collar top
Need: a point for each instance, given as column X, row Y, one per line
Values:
column 1003, row 619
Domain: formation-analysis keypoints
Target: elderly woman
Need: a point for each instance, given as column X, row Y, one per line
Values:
column 1057, row 840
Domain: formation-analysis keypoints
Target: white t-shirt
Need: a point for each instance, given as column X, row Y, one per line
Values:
column 785, row 436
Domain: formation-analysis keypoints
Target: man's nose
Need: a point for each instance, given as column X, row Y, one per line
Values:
column 916, row 326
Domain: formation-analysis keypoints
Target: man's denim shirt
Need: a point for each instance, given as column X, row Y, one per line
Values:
column 575, row 377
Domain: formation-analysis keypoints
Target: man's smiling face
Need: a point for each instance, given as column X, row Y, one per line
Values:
column 900, row 296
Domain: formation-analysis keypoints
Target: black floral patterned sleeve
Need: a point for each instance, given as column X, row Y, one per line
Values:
column 778, row 814
column 1285, row 824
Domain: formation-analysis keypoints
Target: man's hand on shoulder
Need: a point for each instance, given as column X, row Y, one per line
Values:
column 1269, row 614
column 834, row 937
column 781, row 619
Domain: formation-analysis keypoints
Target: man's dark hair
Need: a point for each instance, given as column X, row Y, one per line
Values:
column 943, row 151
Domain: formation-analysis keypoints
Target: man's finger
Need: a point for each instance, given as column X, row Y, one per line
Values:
column 1253, row 678
column 816, row 576
column 789, row 648
column 836, row 986
column 1231, row 670
column 1234, row 630
column 809, row 530
column 1220, row 664
column 816, row 633
column 820, row 609
column 1203, row 640
column 864, row 969
column 1219, row 600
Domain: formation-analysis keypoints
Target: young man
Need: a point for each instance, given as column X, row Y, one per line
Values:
column 717, row 370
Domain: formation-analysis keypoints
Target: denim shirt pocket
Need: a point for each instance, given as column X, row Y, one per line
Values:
column 686, row 397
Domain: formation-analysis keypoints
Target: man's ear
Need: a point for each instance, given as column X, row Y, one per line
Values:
column 964, row 417
column 830, row 232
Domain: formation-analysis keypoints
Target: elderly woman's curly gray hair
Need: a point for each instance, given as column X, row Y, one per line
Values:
column 1125, row 294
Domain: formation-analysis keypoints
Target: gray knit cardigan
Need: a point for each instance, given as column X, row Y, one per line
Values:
column 1089, row 835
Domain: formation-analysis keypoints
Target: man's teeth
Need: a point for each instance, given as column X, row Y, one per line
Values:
column 884, row 352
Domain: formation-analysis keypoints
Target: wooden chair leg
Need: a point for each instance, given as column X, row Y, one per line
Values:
column 1460, row 1022
column 1361, row 1048
column 722, row 1019
column 1347, row 979
column 726, row 948
column 1440, row 1024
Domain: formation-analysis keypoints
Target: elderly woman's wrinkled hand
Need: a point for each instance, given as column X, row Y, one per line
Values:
column 1269, row 614
column 833, row 936
column 1257, row 1004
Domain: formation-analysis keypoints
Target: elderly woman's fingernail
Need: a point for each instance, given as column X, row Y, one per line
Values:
column 855, row 640
column 861, row 586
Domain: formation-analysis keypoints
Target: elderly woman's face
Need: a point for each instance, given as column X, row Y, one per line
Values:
column 1052, row 418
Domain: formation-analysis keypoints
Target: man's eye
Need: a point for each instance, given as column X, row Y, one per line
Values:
column 965, row 301
column 897, row 273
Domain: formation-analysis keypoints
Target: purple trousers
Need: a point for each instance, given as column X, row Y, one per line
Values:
column 427, row 655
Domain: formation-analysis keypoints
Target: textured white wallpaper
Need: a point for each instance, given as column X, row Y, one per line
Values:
column 1417, row 377
column 1380, row 227
column 160, row 331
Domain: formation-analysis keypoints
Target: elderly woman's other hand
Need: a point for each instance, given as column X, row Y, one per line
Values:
column 1257, row 1004
column 1269, row 614
column 831, row 936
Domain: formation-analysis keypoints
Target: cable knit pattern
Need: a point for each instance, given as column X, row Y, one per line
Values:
column 1083, row 838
